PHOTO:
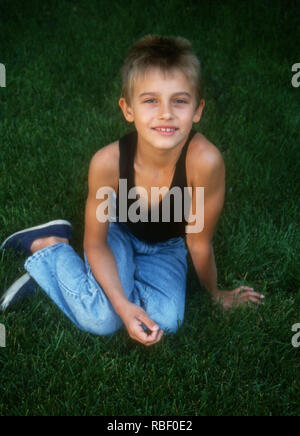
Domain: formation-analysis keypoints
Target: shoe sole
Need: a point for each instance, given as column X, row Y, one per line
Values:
column 42, row 226
column 13, row 290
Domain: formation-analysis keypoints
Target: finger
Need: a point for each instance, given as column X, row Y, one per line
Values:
column 160, row 335
column 149, row 323
column 242, row 288
column 145, row 337
column 246, row 291
column 151, row 337
column 158, row 338
column 140, row 335
column 256, row 300
column 252, row 294
column 249, row 299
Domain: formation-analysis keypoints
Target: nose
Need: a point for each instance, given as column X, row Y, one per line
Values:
column 165, row 111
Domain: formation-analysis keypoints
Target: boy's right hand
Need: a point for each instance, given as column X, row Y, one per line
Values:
column 133, row 317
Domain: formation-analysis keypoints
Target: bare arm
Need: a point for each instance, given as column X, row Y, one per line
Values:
column 98, row 252
column 210, row 173
column 103, row 172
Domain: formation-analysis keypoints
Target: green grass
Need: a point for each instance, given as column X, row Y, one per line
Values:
column 59, row 107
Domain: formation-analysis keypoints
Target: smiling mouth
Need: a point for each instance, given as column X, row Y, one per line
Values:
column 165, row 130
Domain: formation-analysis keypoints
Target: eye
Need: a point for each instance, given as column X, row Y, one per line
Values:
column 177, row 101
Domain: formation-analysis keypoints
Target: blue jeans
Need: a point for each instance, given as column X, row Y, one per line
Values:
column 153, row 276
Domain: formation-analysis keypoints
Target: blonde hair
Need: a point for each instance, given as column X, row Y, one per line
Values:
column 165, row 53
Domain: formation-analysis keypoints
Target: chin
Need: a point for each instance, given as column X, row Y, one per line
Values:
column 165, row 145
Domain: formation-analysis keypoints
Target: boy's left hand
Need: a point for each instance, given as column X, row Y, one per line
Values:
column 237, row 297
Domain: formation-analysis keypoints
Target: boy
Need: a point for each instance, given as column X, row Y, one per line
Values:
column 134, row 273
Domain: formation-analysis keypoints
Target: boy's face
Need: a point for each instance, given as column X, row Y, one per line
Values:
column 163, row 101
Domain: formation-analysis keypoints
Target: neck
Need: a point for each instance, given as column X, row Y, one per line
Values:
column 157, row 160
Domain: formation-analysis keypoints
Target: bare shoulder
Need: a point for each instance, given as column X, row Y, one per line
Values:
column 106, row 156
column 203, row 152
column 204, row 160
column 104, row 165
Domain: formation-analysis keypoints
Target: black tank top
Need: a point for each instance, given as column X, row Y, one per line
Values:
column 152, row 231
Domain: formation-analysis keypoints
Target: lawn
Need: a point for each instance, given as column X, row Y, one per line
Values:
column 59, row 106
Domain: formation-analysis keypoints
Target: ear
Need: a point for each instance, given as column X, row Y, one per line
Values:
column 127, row 111
column 198, row 112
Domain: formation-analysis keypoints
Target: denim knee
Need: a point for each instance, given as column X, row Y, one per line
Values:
column 170, row 325
column 103, row 327
column 169, row 318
